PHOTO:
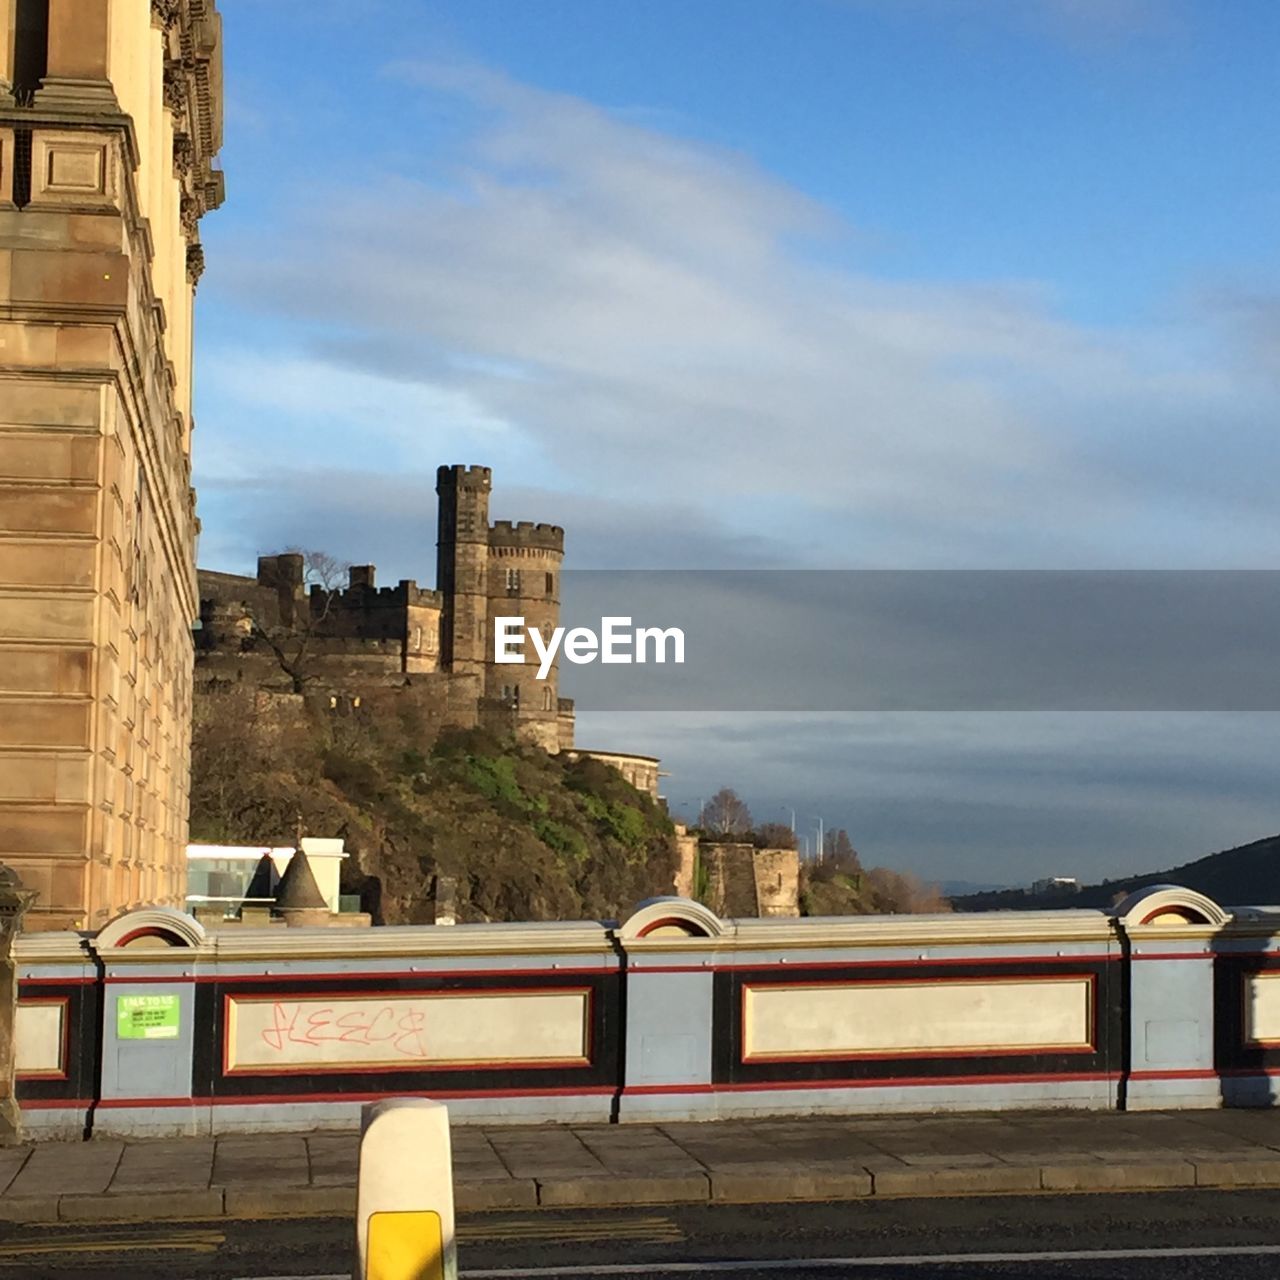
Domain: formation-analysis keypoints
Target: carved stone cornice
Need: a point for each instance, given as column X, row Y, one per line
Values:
column 184, row 155
column 195, row 263
column 193, row 94
column 189, row 215
column 196, row 55
column 175, row 91
column 164, row 13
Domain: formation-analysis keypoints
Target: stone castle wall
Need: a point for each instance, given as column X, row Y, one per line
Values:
column 777, row 873
column 743, row 881
column 363, row 636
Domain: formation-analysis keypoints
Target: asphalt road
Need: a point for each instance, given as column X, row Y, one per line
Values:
column 1185, row 1235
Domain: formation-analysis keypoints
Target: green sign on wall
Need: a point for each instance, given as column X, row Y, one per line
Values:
column 147, row 1017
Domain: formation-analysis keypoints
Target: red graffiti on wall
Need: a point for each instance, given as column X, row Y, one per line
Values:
column 384, row 1026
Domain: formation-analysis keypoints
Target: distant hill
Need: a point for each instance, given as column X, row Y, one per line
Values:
column 959, row 888
column 1246, row 876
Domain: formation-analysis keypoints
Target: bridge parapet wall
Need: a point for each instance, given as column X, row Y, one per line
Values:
column 155, row 1026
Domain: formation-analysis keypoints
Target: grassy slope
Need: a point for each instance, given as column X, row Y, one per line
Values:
column 527, row 836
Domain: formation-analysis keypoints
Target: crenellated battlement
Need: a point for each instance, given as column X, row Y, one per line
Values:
column 463, row 477
column 405, row 594
column 525, row 533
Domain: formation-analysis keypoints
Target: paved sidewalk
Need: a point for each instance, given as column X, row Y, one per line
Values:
column 827, row 1158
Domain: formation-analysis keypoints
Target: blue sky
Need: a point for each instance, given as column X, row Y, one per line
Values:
column 973, row 283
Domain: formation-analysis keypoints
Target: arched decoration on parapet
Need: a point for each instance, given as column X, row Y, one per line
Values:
column 671, row 918
column 151, row 927
column 1170, row 905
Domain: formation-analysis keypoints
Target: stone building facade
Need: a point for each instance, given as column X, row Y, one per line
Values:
column 346, row 642
column 643, row 772
column 110, row 118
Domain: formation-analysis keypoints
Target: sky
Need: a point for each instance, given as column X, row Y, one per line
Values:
column 820, row 284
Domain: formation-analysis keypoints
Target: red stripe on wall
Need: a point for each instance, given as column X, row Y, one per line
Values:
column 263, row 1099
column 892, row 1083
column 1175, row 1075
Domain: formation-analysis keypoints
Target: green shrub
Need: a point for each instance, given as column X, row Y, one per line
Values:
column 565, row 840
column 495, row 779
column 355, row 775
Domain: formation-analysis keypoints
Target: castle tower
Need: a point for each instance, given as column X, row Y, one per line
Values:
column 110, row 117
column 524, row 580
column 462, row 556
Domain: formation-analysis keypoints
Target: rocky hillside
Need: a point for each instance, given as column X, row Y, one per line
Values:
column 523, row 835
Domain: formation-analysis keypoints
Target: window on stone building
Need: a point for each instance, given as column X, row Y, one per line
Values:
column 29, row 34
column 417, row 639
column 513, row 582
column 546, row 699
column 551, row 584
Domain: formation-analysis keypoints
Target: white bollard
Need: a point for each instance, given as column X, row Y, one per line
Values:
column 404, row 1196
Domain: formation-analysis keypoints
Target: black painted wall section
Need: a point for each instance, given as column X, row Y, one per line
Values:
column 1106, row 1057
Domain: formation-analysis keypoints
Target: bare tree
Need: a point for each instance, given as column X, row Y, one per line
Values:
column 774, row 835
column 838, row 849
column 290, row 624
column 901, row 893
column 725, row 814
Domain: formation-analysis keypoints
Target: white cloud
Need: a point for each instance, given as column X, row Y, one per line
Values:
column 321, row 411
column 640, row 313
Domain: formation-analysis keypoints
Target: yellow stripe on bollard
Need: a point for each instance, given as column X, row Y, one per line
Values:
column 406, row 1245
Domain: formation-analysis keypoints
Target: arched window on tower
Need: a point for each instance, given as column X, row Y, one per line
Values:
column 546, row 698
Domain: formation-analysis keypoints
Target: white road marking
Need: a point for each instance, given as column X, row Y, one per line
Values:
column 833, row 1264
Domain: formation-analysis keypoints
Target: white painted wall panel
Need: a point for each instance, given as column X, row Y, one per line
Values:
column 39, row 1037
column 1262, row 1008
column 846, row 1019
column 427, row 1030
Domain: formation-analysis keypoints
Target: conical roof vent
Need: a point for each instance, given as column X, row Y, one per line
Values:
column 264, row 874
column 297, row 890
